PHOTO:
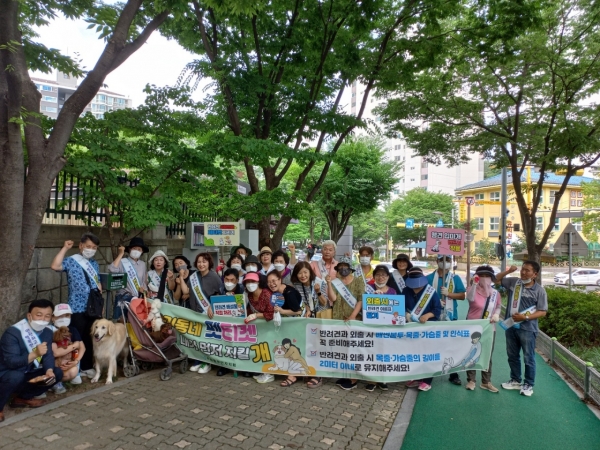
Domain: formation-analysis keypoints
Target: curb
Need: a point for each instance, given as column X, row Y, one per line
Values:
column 397, row 433
column 50, row 406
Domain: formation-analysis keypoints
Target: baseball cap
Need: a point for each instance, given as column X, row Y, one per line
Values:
column 61, row 309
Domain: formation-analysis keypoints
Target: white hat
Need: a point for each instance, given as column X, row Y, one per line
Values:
column 61, row 309
column 157, row 253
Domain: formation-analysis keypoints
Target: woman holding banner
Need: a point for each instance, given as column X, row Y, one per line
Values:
column 202, row 285
column 314, row 291
column 348, row 292
column 291, row 301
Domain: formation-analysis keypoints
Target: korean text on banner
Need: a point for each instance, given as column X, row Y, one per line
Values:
column 445, row 241
column 383, row 309
column 332, row 348
column 221, row 234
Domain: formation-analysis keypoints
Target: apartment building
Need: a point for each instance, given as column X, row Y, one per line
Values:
column 56, row 92
column 416, row 172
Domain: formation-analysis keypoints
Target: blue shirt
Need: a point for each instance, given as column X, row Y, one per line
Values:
column 79, row 288
column 459, row 287
column 434, row 306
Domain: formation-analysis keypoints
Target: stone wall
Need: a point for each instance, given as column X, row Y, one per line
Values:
column 43, row 282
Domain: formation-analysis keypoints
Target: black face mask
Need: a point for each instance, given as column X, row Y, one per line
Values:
column 344, row 272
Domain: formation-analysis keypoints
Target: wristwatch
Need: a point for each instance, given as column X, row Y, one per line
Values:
column 526, row 316
column 319, row 294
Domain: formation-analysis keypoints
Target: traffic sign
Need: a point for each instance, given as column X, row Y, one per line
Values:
column 410, row 223
column 470, row 200
column 440, row 223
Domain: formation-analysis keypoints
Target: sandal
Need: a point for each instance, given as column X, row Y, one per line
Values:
column 314, row 383
column 288, row 382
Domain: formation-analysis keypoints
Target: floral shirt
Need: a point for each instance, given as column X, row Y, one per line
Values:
column 79, row 287
column 262, row 304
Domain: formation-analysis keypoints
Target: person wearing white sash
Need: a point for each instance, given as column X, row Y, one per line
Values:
column 266, row 261
column 327, row 264
column 365, row 256
column 402, row 265
column 158, row 264
column 25, row 354
column 347, row 292
column 201, row 286
column 422, row 305
column 450, row 288
column 136, row 272
column 183, row 268
column 527, row 302
column 83, row 274
column 484, row 303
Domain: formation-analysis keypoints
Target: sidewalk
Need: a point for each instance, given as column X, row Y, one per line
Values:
column 449, row 416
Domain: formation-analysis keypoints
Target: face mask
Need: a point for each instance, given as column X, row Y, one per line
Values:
column 180, row 268
column 380, row 285
column 229, row 286
column 279, row 267
column 365, row 260
column 243, row 257
column 236, row 266
column 444, row 265
column 62, row 322
column 88, row 253
column 250, row 268
column 251, row 287
column 344, row 272
column 38, row 325
column 135, row 254
column 527, row 281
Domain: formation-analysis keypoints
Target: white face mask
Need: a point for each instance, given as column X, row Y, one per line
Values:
column 251, row 287
column 88, row 253
column 250, row 268
column 135, row 254
column 279, row 267
column 38, row 325
column 62, row 322
column 236, row 266
column 242, row 256
column 444, row 265
column 527, row 281
column 229, row 286
column 380, row 285
column 365, row 260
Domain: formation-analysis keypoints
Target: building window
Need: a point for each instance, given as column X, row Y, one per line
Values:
column 121, row 101
column 423, row 164
column 580, row 194
column 397, row 147
column 397, row 158
column 578, row 226
column 101, row 98
column 539, row 224
column 412, row 168
column 353, row 94
column 49, row 109
column 556, row 224
column 99, row 116
column 412, row 179
column 552, row 197
column 424, row 177
column 573, row 194
column 480, row 223
column 579, row 202
column 396, row 191
column 480, row 197
column 47, row 98
column 494, row 223
column 354, row 104
column 495, row 196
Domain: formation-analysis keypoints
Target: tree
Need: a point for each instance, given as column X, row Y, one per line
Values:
column 420, row 205
column 591, row 201
column 487, row 250
column 30, row 159
column 359, row 179
column 280, row 69
column 369, row 228
column 519, row 98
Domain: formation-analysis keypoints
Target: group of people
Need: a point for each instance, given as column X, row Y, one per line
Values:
column 273, row 285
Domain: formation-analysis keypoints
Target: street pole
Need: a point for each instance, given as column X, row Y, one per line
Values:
column 468, row 227
column 387, row 240
column 503, row 198
column 570, row 260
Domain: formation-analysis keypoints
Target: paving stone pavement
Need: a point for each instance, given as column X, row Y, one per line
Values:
column 193, row 411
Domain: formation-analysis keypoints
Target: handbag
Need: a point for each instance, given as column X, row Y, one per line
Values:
column 95, row 303
column 325, row 314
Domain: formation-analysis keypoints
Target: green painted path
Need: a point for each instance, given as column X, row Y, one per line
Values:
column 450, row 416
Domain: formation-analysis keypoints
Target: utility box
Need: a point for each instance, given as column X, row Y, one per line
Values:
column 113, row 281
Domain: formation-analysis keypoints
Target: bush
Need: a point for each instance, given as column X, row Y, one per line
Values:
column 573, row 317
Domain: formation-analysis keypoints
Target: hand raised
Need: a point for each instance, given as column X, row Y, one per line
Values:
column 68, row 245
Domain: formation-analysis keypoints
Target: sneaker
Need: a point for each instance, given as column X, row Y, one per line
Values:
column 527, row 390
column 512, row 384
column 58, row 389
column 424, row 387
column 257, row 376
column 348, row 385
column 455, row 380
column 471, row 385
column 489, row 387
column 76, row 380
column 265, row 378
column 90, row 373
column 383, row 386
column 413, row 383
column 41, row 396
column 195, row 367
column 342, row 381
column 370, row 387
column 204, row 368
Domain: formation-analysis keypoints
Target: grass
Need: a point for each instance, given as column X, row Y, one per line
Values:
column 588, row 354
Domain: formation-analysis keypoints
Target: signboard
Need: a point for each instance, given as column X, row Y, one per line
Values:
column 440, row 223
column 579, row 246
column 470, row 200
column 222, row 233
column 410, row 223
column 383, row 309
column 228, row 305
column 333, row 348
column 445, row 241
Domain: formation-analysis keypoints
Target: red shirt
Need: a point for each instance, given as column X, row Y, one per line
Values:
column 262, row 305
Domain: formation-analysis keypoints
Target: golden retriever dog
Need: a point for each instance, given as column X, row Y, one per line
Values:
column 109, row 341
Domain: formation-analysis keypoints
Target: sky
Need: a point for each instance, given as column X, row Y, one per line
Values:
column 158, row 62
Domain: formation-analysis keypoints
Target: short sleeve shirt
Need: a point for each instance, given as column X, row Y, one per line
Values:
column 79, row 288
column 533, row 296
column 459, row 286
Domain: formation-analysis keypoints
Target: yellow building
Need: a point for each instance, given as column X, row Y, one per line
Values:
column 487, row 213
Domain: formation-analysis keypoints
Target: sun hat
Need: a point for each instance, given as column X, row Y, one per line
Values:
column 486, row 271
column 251, row 276
column 237, row 247
column 156, row 254
column 61, row 309
column 137, row 242
column 265, row 249
column 402, row 257
column 416, row 278
column 250, row 260
column 344, row 260
column 381, row 268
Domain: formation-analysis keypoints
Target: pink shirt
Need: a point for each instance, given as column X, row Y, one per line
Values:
column 478, row 303
column 316, row 267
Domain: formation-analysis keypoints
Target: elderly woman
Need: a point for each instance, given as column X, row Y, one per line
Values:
column 397, row 280
column 281, row 262
column 345, row 298
column 266, row 261
column 259, row 306
column 201, row 286
column 326, row 266
column 161, row 282
column 235, row 262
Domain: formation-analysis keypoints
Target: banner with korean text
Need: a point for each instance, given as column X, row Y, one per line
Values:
column 333, row 348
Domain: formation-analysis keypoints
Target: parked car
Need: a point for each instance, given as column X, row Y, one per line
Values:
column 579, row 276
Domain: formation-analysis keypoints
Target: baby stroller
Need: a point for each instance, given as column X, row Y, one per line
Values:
column 150, row 351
